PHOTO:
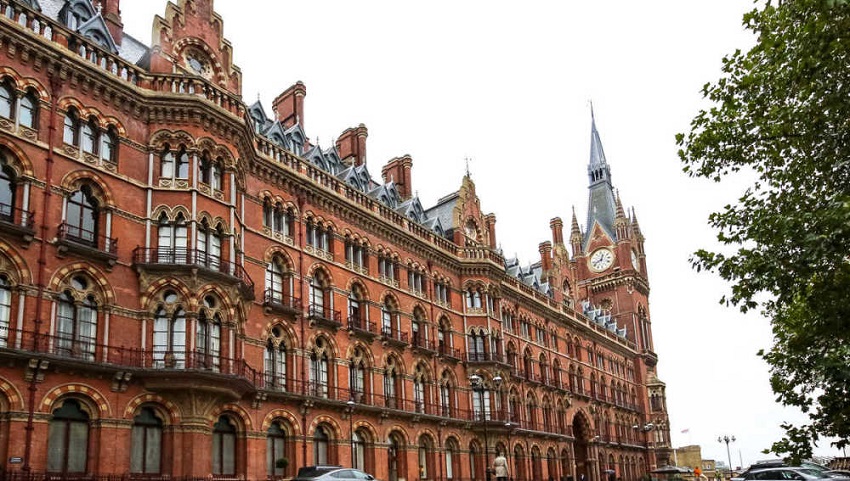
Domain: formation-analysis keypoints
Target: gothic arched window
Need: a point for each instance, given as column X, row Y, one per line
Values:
column 321, row 441
column 224, row 447
column 68, row 439
column 208, row 335
column 8, row 185
column 7, row 100
column 5, row 309
column 275, row 449
column 82, row 216
column 28, row 116
column 90, row 140
column 71, row 130
column 275, row 360
column 76, row 326
column 146, row 443
column 169, row 334
column 319, row 363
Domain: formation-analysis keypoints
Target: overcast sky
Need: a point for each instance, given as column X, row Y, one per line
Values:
column 508, row 84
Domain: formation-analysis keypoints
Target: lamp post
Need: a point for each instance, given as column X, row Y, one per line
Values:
column 478, row 386
column 727, row 439
column 509, row 426
column 350, row 404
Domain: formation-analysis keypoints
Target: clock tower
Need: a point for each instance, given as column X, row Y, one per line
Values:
column 612, row 286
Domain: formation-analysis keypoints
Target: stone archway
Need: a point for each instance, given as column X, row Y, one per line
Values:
column 581, row 434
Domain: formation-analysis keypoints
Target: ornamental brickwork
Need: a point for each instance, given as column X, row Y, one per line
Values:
column 190, row 288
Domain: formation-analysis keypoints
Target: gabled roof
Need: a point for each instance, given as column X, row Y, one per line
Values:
column 412, row 209
column 33, row 4
column 350, row 177
column 296, row 131
column 315, row 157
column 276, row 133
column 435, row 226
column 257, row 112
column 96, row 26
column 386, row 194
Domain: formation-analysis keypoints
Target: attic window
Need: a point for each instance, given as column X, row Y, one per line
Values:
column 197, row 63
column 77, row 14
column 471, row 230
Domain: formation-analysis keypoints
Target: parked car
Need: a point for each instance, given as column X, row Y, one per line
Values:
column 331, row 473
column 780, row 463
column 838, row 473
column 785, row 474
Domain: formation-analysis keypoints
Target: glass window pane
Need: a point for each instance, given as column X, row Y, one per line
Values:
column 153, row 453
column 6, row 102
column 56, row 445
column 78, row 446
column 137, row 452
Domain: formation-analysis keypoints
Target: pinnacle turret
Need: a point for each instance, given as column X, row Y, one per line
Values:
column 575, row 235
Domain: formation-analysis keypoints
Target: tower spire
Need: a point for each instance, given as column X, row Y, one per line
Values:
column 601, row 205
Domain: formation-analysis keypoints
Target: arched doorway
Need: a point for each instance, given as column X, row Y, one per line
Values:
column 581, row 432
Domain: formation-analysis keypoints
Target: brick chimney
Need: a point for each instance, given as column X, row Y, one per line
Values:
column 545, row 250
column 398, row 171
column 557, row 226
column 112, row 15
column 288, row 107
column 351, row 145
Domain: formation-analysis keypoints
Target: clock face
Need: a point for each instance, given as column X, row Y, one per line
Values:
column 601, row 259
column 635, row 262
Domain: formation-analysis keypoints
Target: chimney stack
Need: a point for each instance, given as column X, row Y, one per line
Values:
column 557, row 226
column 112, row 15
column 398, row 170
column 545, row 250
column 288, row 107
column 351, row 145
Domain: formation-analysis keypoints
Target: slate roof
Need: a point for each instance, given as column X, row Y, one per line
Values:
column 601, row 205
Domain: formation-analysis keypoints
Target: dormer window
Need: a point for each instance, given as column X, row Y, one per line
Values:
column 77, row 13
column 297, row 148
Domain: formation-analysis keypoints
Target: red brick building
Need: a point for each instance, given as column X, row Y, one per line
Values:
column 190, row 288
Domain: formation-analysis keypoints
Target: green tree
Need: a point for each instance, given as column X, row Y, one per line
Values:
column 780, row 113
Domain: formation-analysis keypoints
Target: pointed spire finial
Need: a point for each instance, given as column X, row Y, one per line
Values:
column 621, row 213
column 574, row 228
column 468, row 160
column 597, row 155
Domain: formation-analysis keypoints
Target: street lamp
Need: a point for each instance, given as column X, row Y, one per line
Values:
column 727, row 439
column 509, row 426
column 478, row 386
column 350, row 404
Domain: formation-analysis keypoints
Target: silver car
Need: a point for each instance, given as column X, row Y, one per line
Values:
column 331, row 473
column 785, row 474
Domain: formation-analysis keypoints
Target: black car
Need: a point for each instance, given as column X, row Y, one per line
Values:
column 331, row 473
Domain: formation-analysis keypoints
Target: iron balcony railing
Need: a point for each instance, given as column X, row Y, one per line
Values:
column 183, row 256
column 87, row 238
column 325, row 314
column 86, row 349
column 17, row 216
column 281, row 301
